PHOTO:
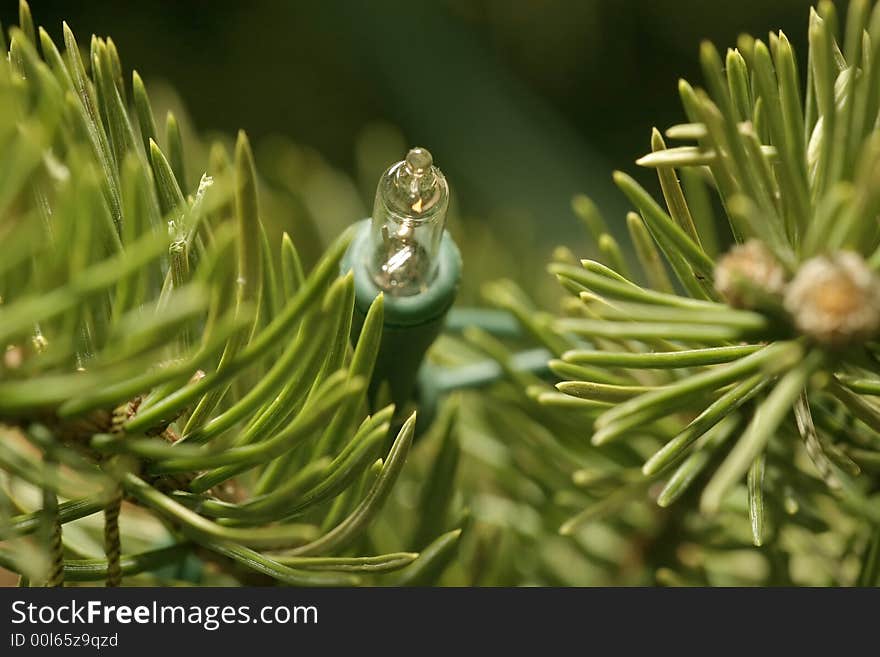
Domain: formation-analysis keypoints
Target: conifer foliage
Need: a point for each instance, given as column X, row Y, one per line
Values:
column 170, row 375
column 739, row 379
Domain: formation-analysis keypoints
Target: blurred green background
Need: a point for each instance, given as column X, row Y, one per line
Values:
column 523, row 102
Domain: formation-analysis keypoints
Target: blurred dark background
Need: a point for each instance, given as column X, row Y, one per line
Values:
column 522, row 102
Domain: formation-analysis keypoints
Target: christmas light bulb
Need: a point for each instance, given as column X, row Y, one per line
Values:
column 409, row 216
column 404, row 253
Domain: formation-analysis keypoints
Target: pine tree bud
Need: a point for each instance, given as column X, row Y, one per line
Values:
column 835, row 299
column 748, row 273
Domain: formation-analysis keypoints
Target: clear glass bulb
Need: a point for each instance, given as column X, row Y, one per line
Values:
column 409, row 216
